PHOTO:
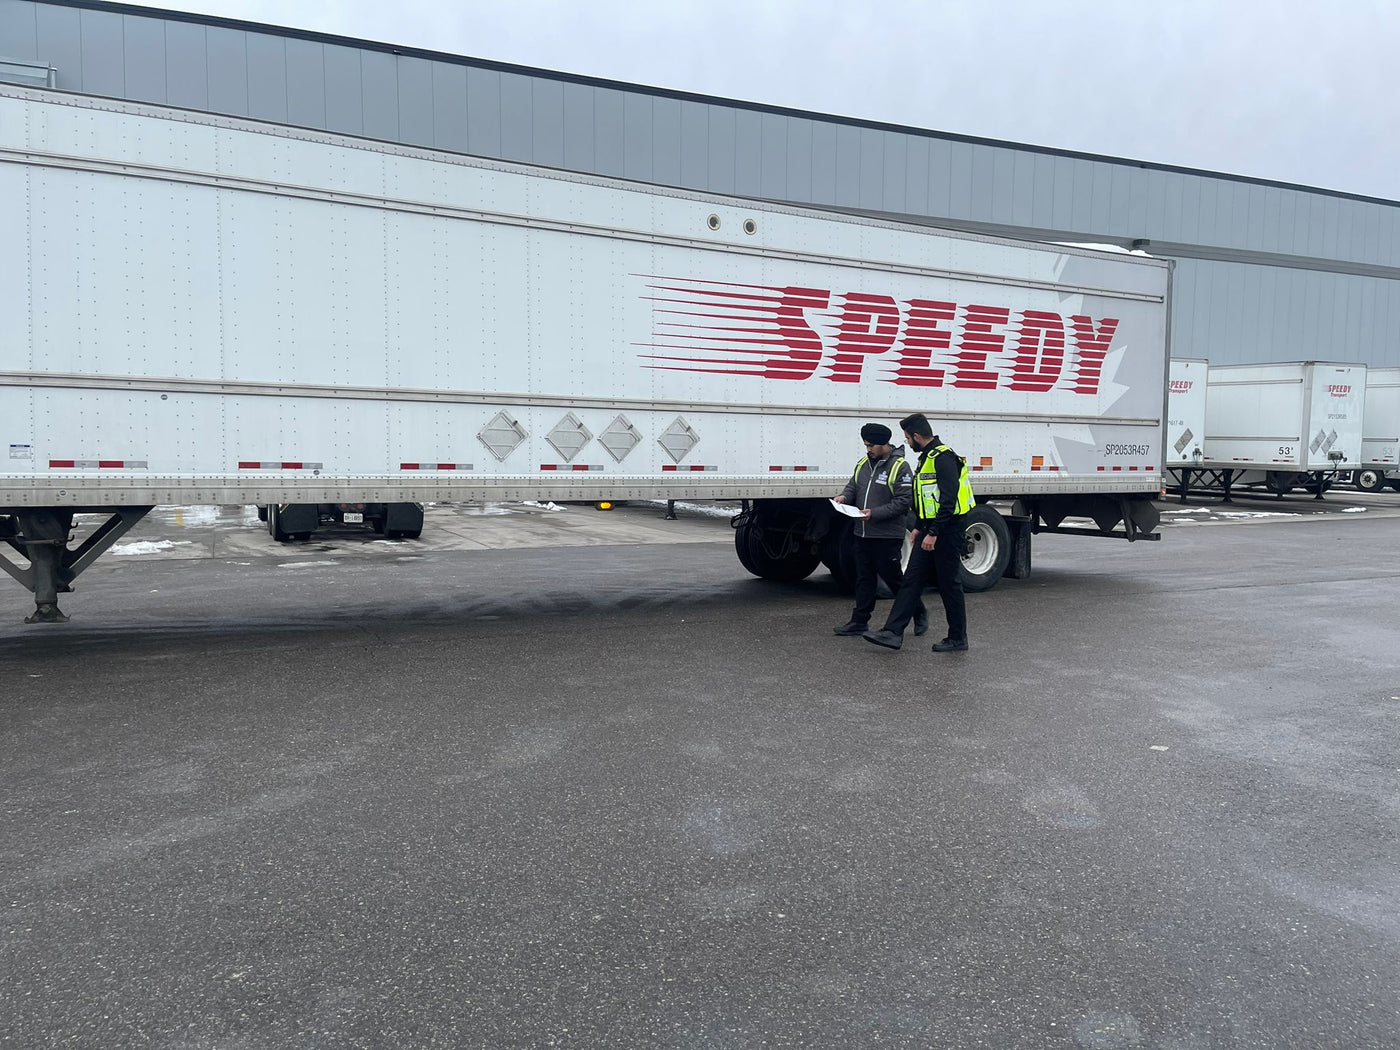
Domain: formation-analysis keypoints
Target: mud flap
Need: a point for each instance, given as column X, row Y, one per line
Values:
column 1018, row 566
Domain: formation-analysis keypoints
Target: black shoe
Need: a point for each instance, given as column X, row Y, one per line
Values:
column 921, row 623
column 888, row 639
column 950, row 645
column 851, row 628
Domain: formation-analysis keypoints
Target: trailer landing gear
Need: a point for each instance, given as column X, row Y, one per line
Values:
column 42, row 536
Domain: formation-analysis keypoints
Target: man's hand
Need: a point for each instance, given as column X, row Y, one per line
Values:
column 838, row 499
column 929, row 542
column 865, row 514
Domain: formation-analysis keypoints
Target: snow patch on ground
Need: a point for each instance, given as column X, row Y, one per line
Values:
column 542, row 506
column 706, row 510
column 1353, row 510
column 147, row 546
column 197, row 515
column 305, row 564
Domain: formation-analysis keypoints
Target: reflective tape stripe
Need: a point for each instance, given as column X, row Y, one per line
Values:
column 253, row 464
column 97, row 464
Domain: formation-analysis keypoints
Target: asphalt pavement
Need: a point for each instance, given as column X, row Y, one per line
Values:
column 606, row 790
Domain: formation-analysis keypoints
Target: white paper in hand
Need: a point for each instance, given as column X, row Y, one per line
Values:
column 848, row 510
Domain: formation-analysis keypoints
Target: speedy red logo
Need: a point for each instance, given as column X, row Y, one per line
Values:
column 1180, row 386
column 1339, row 389
column 720, row 328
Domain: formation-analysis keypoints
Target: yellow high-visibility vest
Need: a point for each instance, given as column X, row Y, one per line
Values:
column 926, row 486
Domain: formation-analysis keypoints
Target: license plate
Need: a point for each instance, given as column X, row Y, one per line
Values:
column 354, row 518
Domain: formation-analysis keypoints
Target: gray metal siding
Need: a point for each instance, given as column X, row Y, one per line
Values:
column 483, row 112
column 266, row 77
column 57, row 35
column 578, row 128
column 415, row 95
column 143, row 43
column 343, row 87
column 19, row 31
column 609, row 132
column 379, row 95
column 186, row 65
column 226, row 53
column 1233, row 313
column 1226, row 311
column 102, row 55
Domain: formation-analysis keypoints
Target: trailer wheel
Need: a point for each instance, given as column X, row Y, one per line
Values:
column 274, row 524
column 262, row 512
column 741, row 548
column 839, row 554
column 988, row 549
column 1279, row 482
column 796, row 566
column 1369, row 480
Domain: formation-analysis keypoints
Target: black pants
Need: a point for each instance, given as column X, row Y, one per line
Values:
column 875, row 560
column 944, row 564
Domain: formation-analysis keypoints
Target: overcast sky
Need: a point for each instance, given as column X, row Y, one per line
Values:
column 1296, row 90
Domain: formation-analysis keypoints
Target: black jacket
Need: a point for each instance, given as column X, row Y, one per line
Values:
column 870, row 487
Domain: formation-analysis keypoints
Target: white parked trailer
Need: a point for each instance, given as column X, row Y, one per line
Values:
column 1380, row 437
column 1283, row 426
column 1186, row 411
column 222, row 311
column 1186, row 420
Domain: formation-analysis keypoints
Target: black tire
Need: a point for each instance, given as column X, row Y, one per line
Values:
column 274, row 525
column 795, row 567
column 988, row 546
column 741, row 548
column 262, row 512
column 839, row 555
column 1369, row 479
column 1280, row 482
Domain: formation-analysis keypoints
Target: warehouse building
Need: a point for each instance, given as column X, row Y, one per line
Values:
column 1266, row 271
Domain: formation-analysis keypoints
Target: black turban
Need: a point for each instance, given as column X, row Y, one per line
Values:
column 875, row 433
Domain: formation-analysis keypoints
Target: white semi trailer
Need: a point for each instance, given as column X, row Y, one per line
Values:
column 1278, row 427
column 1380, row 435
column 207, row 310
column 1186, row 419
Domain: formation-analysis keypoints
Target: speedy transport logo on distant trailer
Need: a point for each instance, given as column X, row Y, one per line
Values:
column 722, row 328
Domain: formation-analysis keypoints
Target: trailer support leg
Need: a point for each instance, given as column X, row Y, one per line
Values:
column 1228, row 477
column 42, row 537
column 1321, row 484
column 1185, row 483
